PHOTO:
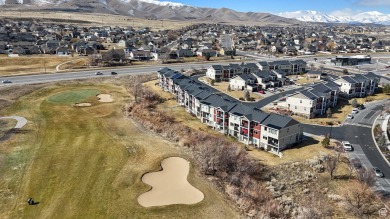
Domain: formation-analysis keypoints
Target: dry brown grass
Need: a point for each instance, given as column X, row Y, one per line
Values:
column 96, row 19
column 304, row 80
column 304, row 151
column 32, row 64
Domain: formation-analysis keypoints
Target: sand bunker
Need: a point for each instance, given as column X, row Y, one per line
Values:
column 105, row 98
column 82, row 104
column 170, row 185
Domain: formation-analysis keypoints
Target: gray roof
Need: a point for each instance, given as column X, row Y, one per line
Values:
column 278, row 121
column 309, row 94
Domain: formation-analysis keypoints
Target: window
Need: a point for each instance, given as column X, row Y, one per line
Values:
column 265, row 137
column 300, row 101
column 304, row 108
column 265, row 128
column 295, row 107
column 273, row 131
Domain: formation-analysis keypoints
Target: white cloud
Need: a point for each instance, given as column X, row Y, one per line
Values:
column 374, row 2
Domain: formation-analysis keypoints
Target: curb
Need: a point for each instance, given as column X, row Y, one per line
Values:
column 372, row 132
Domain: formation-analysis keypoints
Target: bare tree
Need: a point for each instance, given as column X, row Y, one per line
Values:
column 360, row 200
column 330, row 164
column 247, row 95
column 365, row 177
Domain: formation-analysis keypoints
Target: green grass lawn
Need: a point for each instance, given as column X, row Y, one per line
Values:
column 73, row 96
column 87, row 162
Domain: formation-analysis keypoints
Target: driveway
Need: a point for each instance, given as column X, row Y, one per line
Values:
column 21, row 121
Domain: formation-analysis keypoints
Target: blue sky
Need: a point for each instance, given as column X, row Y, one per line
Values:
column 337, row 7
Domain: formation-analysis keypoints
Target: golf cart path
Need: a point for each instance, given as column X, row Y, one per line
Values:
column 21, row 121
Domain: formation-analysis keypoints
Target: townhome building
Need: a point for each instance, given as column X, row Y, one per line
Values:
column 314, row 101
column 288, row 66
column 359, row 85
column 283, row 67
column 229, row 116
column 243, row 82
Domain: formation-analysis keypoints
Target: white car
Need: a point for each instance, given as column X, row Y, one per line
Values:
column 350, row 116
column 355, row 111
column 347, row 146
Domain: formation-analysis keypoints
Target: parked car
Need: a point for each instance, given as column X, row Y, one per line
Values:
column 355, row 111
column 6, row 81
column 347, row 146
column 98, row 73
column 378, row 172
column 261, row 91
column 361, row 107
column 350, row 116
column 114, row 73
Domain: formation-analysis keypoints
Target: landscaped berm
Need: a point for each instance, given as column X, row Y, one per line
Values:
column 170, row 185
column 87, row 162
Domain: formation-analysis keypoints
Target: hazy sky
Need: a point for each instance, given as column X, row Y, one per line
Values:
column 335, row 7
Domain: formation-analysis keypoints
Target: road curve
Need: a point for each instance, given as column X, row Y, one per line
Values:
column 21, row 121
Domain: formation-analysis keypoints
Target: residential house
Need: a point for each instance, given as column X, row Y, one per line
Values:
column 314, row 101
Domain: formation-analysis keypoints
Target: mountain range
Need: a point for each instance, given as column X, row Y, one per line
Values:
column 149, row 9
column 154, row 9
column 374, row 17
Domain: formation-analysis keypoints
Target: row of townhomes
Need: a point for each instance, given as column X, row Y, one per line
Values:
column 249, row 125
column 225, row 72
column 318, row 98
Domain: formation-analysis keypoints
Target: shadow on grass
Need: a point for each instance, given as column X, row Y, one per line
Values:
column 7, row 135
column 306, row 142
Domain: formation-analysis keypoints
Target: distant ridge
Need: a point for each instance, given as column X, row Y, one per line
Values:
column 149, row 9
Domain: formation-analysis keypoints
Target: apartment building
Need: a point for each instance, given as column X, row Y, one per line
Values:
column 249, row 125
column 225, row 72
column 358, row 85
column 315, row 100
column 291, row 67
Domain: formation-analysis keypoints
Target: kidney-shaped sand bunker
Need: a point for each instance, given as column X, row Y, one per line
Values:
column 170, row 185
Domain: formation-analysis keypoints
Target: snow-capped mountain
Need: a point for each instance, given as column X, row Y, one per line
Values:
column 374, row 17
column 150, row 9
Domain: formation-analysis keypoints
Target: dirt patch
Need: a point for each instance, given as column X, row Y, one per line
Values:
column 170, row 185
column 105, row 98
column 82, row 104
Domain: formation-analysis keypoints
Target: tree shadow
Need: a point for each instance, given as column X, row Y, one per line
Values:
column 7, row 135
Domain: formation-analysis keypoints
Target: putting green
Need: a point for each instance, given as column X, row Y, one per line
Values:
column 73, row 96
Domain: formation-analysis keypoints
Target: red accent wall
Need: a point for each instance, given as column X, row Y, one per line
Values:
column 258, row 129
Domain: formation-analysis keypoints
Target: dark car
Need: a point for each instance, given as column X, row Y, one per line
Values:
column 361, row 107
column 6, row 81
column 98, row 73
column 114, row 73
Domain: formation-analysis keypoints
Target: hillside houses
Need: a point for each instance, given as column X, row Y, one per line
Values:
column 249, row 125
